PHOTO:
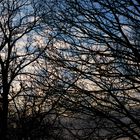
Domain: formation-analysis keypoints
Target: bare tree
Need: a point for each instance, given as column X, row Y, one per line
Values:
column 21, row 47
column 101, row 48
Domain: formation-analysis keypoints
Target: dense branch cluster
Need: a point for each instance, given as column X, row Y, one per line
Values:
column 69, row 69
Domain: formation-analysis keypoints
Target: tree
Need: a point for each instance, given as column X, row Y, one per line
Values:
column 21, row 48
column 101, row 47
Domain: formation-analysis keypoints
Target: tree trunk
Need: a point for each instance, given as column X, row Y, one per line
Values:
column 4, row 117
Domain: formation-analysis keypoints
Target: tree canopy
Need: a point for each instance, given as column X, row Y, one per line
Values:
column 71, row 65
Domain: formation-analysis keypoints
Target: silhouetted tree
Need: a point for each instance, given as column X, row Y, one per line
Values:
column 100, row 46
column 20, row 50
